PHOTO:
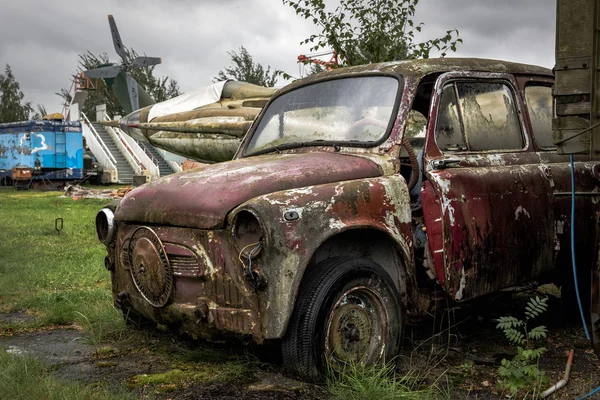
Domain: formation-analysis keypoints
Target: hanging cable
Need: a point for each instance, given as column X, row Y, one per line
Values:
column 249, row 273
column 575, row 280
column 587, row 334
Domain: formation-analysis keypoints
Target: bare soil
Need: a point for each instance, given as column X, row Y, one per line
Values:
column 468, row 353
column 71, row 357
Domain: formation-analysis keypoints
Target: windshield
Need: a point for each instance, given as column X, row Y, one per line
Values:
column 343, row 111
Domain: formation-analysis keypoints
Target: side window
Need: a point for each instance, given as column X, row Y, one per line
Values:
column 485, row 117
column 448, row 132
column 539, row 106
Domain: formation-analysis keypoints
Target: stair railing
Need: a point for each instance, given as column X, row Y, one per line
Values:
column 134, row 154
column 174, row 165
column 150, row 155
column 97, row 146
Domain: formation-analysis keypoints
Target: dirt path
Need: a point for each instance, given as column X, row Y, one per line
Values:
column 71, row 357
column 466, row 357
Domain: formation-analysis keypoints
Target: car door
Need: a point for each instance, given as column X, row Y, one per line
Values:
column 487, row 203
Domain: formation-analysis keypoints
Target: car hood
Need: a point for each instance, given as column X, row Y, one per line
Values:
column 201, row 198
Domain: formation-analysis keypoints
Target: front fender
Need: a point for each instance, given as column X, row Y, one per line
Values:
column 322, row 211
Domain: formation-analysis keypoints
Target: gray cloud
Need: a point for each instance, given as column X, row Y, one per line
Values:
column 513, row 30
column 41, row 40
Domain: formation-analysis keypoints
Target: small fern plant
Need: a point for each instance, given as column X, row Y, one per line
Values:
column 521, row 374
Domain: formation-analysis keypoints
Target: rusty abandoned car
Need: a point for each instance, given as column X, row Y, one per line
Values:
column 355, row 199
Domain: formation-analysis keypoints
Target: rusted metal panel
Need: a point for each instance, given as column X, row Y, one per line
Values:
column 205, row 196
column 209, row 291
column 498, row 223
column 586, row 208
column 325, row 211
column 486, row 197
column 493, row 219
column 423, row 67
column 211, row 278
column 432, row 213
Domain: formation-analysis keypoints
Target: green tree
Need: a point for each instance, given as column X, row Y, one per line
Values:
column 244, row 69
column 39, row 113
column 369, row 31
column 12, row 106
column 160, row 89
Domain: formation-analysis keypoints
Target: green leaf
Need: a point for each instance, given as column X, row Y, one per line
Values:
column 539, row 332
column 363, row 31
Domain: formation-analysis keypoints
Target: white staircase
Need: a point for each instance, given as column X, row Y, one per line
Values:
column 164, row 167
column 117, row 152
column 124, row 170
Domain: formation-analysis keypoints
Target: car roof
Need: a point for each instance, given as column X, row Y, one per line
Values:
column 422, row 67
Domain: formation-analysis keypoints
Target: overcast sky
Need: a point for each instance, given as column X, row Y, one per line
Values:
column 41, row 39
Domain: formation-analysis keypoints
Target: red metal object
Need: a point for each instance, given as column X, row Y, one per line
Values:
column 207, row 195
column 329, row 65
column 84, row 83
column 493, row 219
column 432, row 213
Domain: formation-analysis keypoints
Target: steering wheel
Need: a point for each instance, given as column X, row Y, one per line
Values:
column 414, row 164
column 352, row 130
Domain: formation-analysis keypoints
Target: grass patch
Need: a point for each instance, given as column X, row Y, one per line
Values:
column 356, row 382
column 26, row 378
column 106, row 364
column 59, row 277
column 185, row 375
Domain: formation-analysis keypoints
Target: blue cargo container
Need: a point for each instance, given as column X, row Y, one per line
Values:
column 56, row 145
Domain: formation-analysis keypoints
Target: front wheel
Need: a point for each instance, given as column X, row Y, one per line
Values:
column 347, row 311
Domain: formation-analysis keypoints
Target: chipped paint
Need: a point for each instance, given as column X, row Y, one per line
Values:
column 336, row 224
column 492, row 220
column 216, row 189
column 560, row 227
column 520, row 210
column 463, row 284
column 200, row 251
column 447, row 208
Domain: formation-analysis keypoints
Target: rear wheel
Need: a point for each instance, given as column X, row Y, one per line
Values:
column 348, row 311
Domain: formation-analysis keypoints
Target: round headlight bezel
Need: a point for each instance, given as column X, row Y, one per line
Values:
column 247, row 234
column 105, row 225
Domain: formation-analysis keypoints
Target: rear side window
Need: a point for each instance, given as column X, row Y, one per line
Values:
column 485, row 115
column 539, row 106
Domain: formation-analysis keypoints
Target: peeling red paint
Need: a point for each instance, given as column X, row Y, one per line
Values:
column 483, row 220
column 202, row 198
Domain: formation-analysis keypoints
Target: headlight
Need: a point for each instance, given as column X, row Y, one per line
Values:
column 105, row 225
column 247, row 234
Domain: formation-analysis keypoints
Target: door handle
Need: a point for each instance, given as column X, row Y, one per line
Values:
column 445, row 163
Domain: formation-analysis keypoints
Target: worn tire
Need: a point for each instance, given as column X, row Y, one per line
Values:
column 348, row 310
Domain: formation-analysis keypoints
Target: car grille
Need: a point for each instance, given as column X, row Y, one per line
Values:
column 187, row 266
